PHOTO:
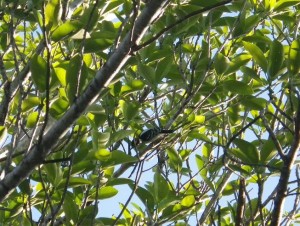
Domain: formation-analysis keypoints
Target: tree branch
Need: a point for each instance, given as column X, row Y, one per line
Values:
column 285, row 172
column 102, row 79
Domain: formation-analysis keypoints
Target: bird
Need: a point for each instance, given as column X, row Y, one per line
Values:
column 149, row 135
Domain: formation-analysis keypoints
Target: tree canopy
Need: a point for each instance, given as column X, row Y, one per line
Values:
column 82, row 79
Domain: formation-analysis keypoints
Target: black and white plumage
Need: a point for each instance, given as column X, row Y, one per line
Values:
column 150, row 135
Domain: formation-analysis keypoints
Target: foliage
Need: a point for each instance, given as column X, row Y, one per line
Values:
column 80, row 79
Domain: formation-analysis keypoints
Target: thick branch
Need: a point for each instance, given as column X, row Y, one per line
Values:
column 103, row 77
column 240, row 204
column 285, row 173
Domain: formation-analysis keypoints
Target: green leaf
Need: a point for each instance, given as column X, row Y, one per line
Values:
column 82, row 167
column 87, row 215
column 75, row 182
column 167, row 202
column 230, row 188
column 145, row 196
column 129, row 109
column 257, row 55
column 137, row 84
column 237, row 87
column 52, row 13
column 254, row 103
column 246, row 151
column 188, row 201
column 107, row 192
column 58, row 107
column 174, row 159
column 38, row 69
column 237, row 62
column 110, row 221
column 251, row 22
column 94, row 45
column 70, row 208
column 101, row 140
column 162, row 69
column 206, row 150
column 90, row 17
column 275, row 60
column 116, row 158
column 30, row 102
column 199, row 119
column 161, row 187
column 133, row 86
column 60, row 73
column 194, row 134
column 32, row 119
column 66, row 30
column 148, row 73
column 294, row 57
column 268, row 151
column 111, row 6
column 53, row 173
column 72, row 77
column 276, row 164
column 103, row 155
column 221, row 64
column 119, row 135
column 199, row 162
column 280, row 5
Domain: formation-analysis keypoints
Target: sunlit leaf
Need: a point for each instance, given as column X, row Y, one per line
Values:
column 52, row 13
column 231, row 188
column 30, row 102
column 103, row 155
column 38, row 68
column 66, row 30
column 107, row 192
column 58, row 107
column 275, row 60
column 129, row 109
column 188, row 201
column 294, row 57
column 257, row 55
column 221, row 64
column 61, row 75
column 118, row 157
column 32, row 119
column 284, row 4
